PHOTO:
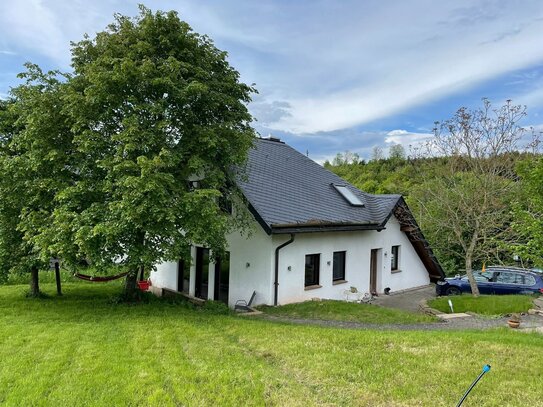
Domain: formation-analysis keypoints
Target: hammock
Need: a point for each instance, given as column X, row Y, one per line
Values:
column 98, row 279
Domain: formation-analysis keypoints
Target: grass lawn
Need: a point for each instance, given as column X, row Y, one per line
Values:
column 83, row 350
column 484, row 304
column 346, row 311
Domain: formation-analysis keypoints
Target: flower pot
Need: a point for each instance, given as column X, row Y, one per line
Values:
column 143, row 285
column 513, row 324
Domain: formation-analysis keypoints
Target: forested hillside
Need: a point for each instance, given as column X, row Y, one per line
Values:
column 421, row 182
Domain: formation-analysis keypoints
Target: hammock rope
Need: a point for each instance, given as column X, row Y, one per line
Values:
column 99, row 279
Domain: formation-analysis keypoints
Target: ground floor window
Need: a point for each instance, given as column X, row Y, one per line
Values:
column 395, row 258
column 339, row 266
column 312, row 268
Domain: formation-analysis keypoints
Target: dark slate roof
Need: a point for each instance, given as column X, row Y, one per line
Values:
column 288, row 192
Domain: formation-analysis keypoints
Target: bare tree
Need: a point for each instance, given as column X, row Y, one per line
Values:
column 396, row 152
column 377, row 154
column 466, row 202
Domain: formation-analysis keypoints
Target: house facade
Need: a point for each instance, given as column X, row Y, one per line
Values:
column 313, row 235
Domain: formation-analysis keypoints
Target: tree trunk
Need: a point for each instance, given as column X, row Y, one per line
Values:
column 472, row 282
column 130, row 290
column 57, row 278
column 34, row 282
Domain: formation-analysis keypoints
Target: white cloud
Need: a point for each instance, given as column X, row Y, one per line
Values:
column 406, row 138
column 327, row 65
column 408, row 64
column 33, row 25
column 532, row 97
column 46, row 27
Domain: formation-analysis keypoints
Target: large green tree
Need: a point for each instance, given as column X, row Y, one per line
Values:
column 35, row 165
column 152, row 106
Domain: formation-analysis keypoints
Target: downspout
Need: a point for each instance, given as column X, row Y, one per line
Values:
column 276, row 282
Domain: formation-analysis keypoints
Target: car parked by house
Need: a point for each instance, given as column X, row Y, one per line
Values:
column 495, row 280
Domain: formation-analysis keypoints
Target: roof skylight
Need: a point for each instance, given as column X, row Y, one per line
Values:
column 348, row 195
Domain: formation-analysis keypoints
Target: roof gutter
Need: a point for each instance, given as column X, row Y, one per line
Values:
column 284, row 229
column 276, row 277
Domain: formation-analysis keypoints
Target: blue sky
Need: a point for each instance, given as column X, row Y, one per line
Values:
column 332, row 75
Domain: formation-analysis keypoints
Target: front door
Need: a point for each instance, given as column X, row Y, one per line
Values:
column 373, row 271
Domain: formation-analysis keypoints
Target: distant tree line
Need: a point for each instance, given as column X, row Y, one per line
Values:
column 476, row 192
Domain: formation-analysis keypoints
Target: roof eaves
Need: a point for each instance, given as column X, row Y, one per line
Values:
column 259, row 219
column 313, row 228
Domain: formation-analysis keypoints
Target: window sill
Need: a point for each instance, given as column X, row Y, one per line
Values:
column 336, row 282
column 395, row 271
column 312, row 287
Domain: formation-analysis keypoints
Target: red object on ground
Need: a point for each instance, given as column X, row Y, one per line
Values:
column 144, row 285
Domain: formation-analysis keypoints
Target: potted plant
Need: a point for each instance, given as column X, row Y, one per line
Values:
column 514, row 320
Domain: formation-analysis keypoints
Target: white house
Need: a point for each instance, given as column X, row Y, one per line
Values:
column 314, row 235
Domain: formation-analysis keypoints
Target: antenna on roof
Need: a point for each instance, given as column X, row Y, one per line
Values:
column 307, row 153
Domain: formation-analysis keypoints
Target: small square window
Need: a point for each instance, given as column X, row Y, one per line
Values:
column 339, row 266
column 395, row 258
column 312, row 268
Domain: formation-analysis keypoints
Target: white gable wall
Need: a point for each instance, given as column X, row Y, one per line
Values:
column 412, row 272
column 252, row 265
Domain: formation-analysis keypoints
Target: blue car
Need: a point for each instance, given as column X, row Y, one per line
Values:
column 495, row 280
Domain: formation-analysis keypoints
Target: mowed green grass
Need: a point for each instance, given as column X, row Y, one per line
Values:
column 484, row 304
column 330, row 310
column 83, row 350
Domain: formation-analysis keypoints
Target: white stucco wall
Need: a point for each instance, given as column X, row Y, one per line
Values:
column 358, row 246
column 165, row 276
column 412, row 272
column 252, row 265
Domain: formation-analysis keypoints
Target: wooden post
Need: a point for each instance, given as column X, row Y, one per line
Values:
column 57, row 277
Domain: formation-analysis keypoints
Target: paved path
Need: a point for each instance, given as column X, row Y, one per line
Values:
column 406, row 300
